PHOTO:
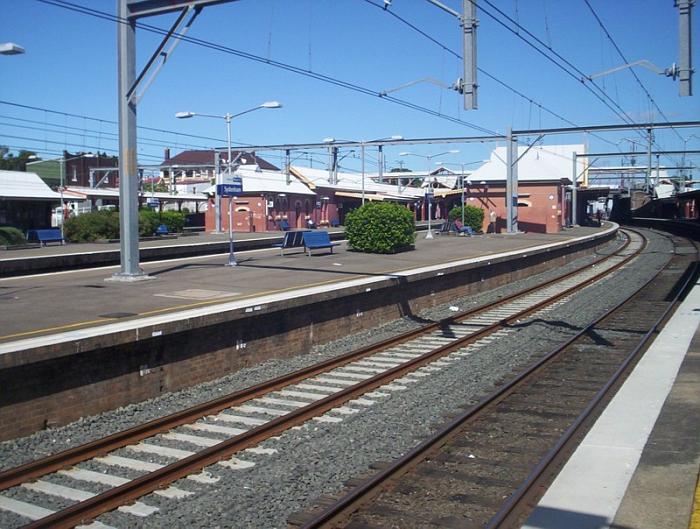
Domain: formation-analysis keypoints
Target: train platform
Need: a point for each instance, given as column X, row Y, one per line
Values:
column 73, row 343
column 66, row 305
column 638, row 467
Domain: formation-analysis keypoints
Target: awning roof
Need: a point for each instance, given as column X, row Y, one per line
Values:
column 26, row 186
column 111, row 192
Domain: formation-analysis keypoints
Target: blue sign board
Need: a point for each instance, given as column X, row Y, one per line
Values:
column 227, row 190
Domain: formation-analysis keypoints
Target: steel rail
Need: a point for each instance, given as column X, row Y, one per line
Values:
column 88, row 509
column 508, row 513
column 72, row 456
column 363, row 493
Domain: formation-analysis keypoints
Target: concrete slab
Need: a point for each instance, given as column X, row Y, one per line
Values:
column 590, row 488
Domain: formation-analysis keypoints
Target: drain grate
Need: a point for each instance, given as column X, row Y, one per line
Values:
column 118, row 315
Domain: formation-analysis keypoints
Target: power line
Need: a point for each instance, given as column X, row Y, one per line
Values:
column 622, row 56
column 277, row 64
column 481, row 70
column 557, row 60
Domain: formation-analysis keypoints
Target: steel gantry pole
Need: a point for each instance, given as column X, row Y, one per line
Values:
column 128, row 170
column 573, row 190
column 468, row 22
column 511, row 182
column 685, row 62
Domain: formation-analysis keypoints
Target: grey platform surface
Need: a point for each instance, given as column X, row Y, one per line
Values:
column 638, row 466
column 52, row 303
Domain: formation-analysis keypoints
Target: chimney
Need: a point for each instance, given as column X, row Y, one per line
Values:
column 167, row 154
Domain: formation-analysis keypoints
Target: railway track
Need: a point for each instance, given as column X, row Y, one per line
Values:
column 220, row 429
column 489, row 466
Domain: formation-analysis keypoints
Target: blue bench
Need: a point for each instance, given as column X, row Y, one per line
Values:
column 283, row 224
column 292, row 239
column 162, row 229
column 314, row 240
column 45, row 236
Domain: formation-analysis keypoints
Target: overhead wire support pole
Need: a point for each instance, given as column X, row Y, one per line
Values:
column 128, row 11
column 685, row 61
column 128, row 171
column 469, row 23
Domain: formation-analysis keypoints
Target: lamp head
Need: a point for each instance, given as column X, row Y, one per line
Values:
column 271, row 104
column 454, row 151
column 328, row 140
column 397, row 137
column 405, row 153
column 184, row 115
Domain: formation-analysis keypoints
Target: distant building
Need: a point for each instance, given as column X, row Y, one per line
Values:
column 79, row 169
column 25, row 201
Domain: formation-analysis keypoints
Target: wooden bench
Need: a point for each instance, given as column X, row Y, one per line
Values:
column 292, row 239
column 45, row 235
column 314, row 240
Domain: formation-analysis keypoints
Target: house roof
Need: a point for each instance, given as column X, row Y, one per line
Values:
column 206, row 157
column 540, row 163
column 260, row 181
column 81, row 193
column 351, row 182
column 21, row 185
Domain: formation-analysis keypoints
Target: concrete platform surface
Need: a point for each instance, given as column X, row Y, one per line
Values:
column 44, row 304
column 637, row 468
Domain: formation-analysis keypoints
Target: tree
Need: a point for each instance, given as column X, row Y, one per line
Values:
column 10, row 162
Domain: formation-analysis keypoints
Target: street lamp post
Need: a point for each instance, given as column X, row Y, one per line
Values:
column 227, row 117
column 430, row 192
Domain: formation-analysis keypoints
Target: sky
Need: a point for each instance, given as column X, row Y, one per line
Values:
column 68, row 76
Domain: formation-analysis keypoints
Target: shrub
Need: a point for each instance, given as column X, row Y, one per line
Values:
column 150, row 219
column 92, row 226
column 380, row 227
column 473, row 216
column 10, row 236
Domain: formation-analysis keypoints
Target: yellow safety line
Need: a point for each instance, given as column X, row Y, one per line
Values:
column 199, row 304
column 695, row 514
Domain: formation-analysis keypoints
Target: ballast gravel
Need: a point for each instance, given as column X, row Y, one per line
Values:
column 317, row 458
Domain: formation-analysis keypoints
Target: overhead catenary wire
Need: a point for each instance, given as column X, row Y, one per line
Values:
column 277, row 64
column 481, row 70
column 626, row 61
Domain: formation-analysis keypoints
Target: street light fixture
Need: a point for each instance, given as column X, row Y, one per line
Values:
column 227, row 117
column 429, row 192
column 10, row 48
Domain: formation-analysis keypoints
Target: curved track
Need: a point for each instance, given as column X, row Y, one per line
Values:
column 487, row 466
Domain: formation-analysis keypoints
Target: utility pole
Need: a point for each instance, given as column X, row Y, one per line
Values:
column 647, row 184
column 511, row 182
column 128, row 172
column 685, row 60
column 469, row 85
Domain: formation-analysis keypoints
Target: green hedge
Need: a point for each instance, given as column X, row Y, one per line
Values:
column 380, row 227
column 97, row 225
column 473, row 216
column 10, row 236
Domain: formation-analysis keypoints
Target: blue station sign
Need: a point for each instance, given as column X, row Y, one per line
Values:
column 228, row 190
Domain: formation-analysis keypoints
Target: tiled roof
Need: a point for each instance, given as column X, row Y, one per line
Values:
column 206, row 157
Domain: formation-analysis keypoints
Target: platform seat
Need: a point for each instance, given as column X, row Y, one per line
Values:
column 162, row 229
column 292, row 239
column 45, row 236
column 446, row 228
column 314, row 240
column 283, row 225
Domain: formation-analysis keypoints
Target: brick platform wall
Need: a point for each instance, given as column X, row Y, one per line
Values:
column 56, row 391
